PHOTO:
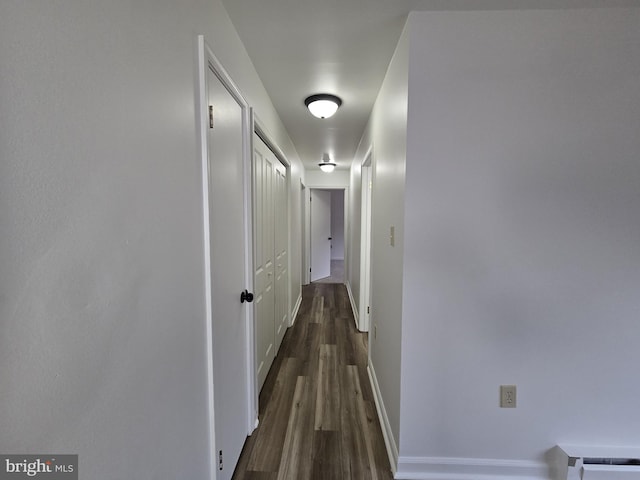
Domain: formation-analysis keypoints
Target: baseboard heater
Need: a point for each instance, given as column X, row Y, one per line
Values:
column 598, row 463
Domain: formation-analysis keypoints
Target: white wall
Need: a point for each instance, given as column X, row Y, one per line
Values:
column 102, row 329
column 320, row 179
column 353, row 238
column 522, row 235
column 386, row 130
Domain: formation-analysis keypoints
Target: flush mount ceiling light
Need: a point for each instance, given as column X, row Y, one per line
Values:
column 326, row 165
column 322, row 105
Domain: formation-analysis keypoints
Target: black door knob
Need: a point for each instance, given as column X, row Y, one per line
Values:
column 246, row 297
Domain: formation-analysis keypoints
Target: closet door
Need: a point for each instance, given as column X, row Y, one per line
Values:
column 281, row 213
column 263, row 224
column 271, row 239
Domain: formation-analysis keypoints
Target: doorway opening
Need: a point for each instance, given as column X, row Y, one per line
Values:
column 327, row 217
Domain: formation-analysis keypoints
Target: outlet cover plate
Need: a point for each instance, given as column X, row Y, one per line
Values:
column 507, row 396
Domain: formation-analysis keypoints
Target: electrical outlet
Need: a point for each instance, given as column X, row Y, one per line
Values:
column 507, row 396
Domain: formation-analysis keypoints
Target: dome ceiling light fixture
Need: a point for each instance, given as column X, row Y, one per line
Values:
column 326, row 165
column 322, row 105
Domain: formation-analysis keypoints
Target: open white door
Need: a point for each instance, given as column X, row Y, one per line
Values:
column 320, row 234
column 226, row 251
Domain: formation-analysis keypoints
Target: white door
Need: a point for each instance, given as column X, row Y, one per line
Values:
column 271, row 237
column 263, row 221
column 281, row 212
column 320, row 234
column 227, row 258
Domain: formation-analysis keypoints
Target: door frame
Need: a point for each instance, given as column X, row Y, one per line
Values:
column 304, row 234
column 364, row 317
column 315, row 221
column 207, row 59
column 306, row 226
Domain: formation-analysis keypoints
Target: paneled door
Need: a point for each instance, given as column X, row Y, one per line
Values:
column 271, row 256
column 263, row 258
column 281, row 242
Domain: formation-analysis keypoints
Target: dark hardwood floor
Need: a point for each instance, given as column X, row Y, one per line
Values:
column 317, row 414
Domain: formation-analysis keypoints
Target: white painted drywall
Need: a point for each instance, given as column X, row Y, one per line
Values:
column 102, row 325
column 320, row 179
column 522, row 232
column 352, row 274
column 386, row 129
column 354, row 242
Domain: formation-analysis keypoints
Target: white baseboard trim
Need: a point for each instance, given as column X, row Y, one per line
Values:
column 387, row 433
column 444, row 468
column 296, row 309
column 354, row 306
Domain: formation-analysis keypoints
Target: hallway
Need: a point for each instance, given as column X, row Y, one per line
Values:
column 317, row 413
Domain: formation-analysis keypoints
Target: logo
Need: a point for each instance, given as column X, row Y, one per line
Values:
column 45, row 467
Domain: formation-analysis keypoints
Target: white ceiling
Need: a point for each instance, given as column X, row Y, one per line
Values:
column 343, row 47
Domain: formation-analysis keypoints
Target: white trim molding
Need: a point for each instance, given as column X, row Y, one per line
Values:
column 203, row 56
column 387, row 433
column 446, row 468
column 354, row 307
column 296, row 308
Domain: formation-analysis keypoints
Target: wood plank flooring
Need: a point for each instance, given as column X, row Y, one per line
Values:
column 317, row 415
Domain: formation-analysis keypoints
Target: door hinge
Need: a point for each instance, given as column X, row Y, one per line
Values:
column 368, row 307
column 210, row 116
column 309, row 270
column 220, row 460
